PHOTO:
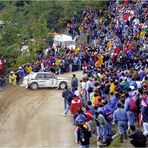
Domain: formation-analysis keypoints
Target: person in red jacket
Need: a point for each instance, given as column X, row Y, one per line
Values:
column 75, row 105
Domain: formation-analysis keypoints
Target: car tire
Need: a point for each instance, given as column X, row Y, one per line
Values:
column 62, row 85
column 34, row 86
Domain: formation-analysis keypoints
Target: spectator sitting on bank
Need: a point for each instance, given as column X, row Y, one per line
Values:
column 138, row 139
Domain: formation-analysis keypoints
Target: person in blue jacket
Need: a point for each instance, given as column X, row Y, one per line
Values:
column 74, row 82
column 21, row 73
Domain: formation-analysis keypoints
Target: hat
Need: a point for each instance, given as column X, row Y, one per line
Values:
column 77, row 93
column 20, row 67
column 11, row 72
column 132, row 87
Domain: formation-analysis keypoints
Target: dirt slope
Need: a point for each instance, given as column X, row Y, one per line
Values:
column 33, row 118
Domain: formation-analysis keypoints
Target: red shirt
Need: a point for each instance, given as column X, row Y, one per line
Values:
column 129, row 47
column 126, row 17
column 126, row 2
column 117, row 50
column 89, row 115
column 75, row 105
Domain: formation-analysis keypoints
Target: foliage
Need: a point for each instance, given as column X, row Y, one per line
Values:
column 26, row 58
column 115, row 142
column 27, row 20
column 39, row 28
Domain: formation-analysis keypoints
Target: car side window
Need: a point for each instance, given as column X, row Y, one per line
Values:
column 49, row 76
column 40, row 76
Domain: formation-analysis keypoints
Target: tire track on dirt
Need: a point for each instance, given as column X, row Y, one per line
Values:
column 33, row 118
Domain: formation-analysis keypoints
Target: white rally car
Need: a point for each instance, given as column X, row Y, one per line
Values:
column 37, row 80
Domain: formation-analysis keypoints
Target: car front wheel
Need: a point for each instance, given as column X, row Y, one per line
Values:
column 34, row 86
column 62, row 85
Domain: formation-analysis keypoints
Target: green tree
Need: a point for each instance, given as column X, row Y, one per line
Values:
column 39, row 28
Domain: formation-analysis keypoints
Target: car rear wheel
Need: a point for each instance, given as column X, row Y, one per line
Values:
column 63, row 85
column 34, row 86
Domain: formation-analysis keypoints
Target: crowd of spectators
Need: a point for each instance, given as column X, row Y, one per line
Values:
column 114, row 90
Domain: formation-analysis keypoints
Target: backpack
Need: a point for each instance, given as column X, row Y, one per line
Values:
column 133, row 105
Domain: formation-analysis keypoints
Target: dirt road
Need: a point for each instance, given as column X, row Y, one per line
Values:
column 34, row 118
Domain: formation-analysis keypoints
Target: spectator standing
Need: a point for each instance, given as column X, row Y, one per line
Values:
column 75, row 105
column 12, row 78
column 120, row 118
column 21, row 73
column 84, row 136
column 74, row 82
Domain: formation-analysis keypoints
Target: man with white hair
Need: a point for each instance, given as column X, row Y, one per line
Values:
column 21, row 73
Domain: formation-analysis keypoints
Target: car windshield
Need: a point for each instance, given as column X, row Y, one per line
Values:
column 49, row 75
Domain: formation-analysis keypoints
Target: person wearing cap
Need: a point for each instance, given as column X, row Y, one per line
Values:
column 83, row 135
column 120, row 118
column 12, row 78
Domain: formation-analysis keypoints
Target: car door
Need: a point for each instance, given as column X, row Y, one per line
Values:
column 51, row 80
column 40, row 77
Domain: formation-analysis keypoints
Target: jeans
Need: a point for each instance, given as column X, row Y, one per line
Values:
column 122, row 127
column 102, row 132
column 70, row 67
column 99, row 132
column 65, row 104
column 131, row 118
column 109, row 126
column 145, row 127
column 79, row 66
column 67, row 109
column 88, row 96
column 107, row 98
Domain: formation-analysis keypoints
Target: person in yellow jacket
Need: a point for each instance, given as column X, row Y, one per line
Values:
column 57, row 63
column 109, row 44
column 81, row 30
column 99, row 61
column 95, row 100
column 28, row 69
column 12, row 78
column 112, row 87
column 142, row 36
column 77, row 49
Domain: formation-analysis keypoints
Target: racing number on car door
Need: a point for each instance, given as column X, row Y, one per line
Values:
column 50, row 80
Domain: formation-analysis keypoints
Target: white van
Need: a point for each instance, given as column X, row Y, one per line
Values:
column 64, row 40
